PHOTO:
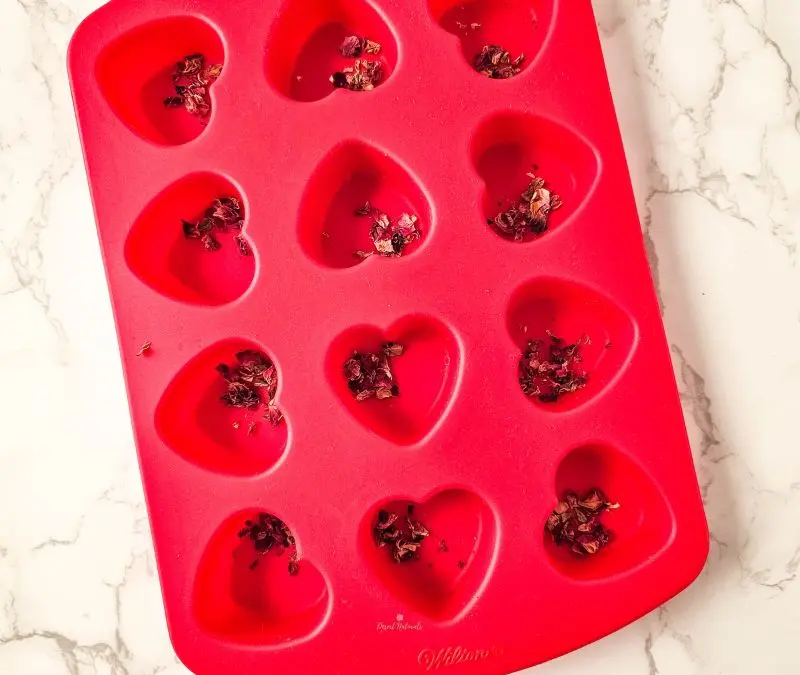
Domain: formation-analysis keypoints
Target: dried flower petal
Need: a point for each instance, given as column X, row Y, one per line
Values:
column 210, row 243
column 223, row 213
column 213, row 72
column 253, row 374
column 351, row 47
column 417, row 529
column 493, row 61
column 404, row 539
column 372, row 47
column 191, row 79
column 364, row 210
column 244, row 247
column 226, row 211
column 269, row 533
column 363, row 75
column 529, row 213
column 553, row 374
column 388, row 238
column 575, row 522
column 393, row 349
column 370, row 374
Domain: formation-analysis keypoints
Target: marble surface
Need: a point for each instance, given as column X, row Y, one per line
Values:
column 707, row 92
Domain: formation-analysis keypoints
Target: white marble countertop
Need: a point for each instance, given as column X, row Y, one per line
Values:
column 707, row 93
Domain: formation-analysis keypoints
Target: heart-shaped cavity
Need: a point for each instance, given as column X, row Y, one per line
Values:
column 451, row 566
column 509, row 146
column 158, row 252
column 518, row 26
column 426, row 376
column 570, row 311
column 303, row 49
column 192, row 419
column 135, row 71
column 638, row 529
column 351, row 175
column 263, row 604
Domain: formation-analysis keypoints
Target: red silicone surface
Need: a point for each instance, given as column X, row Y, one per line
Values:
column 482, row 463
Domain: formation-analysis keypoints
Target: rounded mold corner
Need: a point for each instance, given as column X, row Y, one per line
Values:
column 134, row 74
column 303, row 47
column 572, row 311
column 518, row 26
column 509, row 146
column 160, row 255
column 352, row 174
column 427, row 376
column 245, row 598
column 639, row 529
column 194, row 422
column 453, row 564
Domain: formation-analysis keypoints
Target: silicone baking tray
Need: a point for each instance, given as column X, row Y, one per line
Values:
column 483, row 463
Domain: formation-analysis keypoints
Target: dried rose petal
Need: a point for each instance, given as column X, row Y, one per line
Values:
column 273, row 415
column 210, row 243
column 223, row 213
column 226, row 211
column 417, row 529
column 552, row 374
column 372, row 47
column 364, row 210
column 595, row 501
column 369, row 375
column 191, row 79
column 269, row 533
column 213, row 72
column 251, row 384
column 393, row 349
column 389, row 238
column 493, row 61
column 244, row 247
column 575, row 522
column 385, row 519
column 190, row 64
column 529, row 213
column 363, row 75
column 351, row 47
column 404, row 538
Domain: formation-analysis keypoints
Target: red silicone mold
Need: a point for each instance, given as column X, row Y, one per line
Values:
column 482, row 464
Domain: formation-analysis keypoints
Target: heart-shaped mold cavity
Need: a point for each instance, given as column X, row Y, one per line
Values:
column 261, row 605
column 509, row 146
column 640, row 528
column 452, row 564
column 569, row 311
column 426, row 375
column 352, row 174
column 518, row 26
column 303, row 50
column 135, row 71
column 157, row 251
column 192, row 419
